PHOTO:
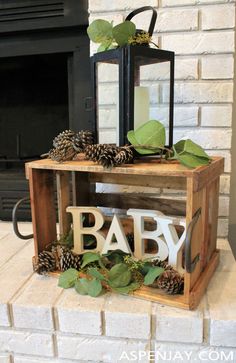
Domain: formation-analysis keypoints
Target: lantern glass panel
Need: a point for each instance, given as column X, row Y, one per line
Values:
column 107, row 102
column 152, row 94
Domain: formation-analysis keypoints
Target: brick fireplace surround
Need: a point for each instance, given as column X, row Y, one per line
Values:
column 40, row 323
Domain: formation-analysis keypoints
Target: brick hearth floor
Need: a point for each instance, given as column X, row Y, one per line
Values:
column 39, row 322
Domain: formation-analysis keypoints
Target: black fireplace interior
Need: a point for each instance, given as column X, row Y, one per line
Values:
column 33, row 106
column 45, row 86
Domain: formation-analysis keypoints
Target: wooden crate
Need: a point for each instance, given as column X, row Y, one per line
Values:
column 202, row 190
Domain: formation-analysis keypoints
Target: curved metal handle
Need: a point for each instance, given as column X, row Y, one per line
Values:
column 189, row 264
column 15, row 222
column 140, row 10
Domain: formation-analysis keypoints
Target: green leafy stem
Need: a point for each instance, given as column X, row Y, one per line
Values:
column 109, row 37
column 113, row 272
column 150, row 139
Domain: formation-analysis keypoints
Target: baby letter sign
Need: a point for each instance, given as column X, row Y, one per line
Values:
column 167, row 240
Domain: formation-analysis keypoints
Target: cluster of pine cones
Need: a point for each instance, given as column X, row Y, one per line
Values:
column 109, row 155
column 58, row 257
column 68, row 144
column 170, row 280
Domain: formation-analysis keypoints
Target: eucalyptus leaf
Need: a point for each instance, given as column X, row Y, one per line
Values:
column 190, row 154
column 190, row 147
column 95, row 273
column 89, row 257
column 81, row 286
column 100, row 31
column 68, row 278
column 94, row 287
column 104, row 46
column 123, row 31
column 119, row 275
column 126, row 289
column 152, row 133
column 116, row 256
column 152, row 274
column 146, row 267
column 192, row 161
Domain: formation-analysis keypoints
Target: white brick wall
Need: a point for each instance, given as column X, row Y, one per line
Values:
column 201, row 32
column 218, row 17
column 90, row 348
column 199, row 42
column 218, row 67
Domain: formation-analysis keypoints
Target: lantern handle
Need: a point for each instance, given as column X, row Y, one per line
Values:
column 140, row 10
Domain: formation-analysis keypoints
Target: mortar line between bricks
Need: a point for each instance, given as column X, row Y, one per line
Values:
column 17, row 292
column 185, row 105
column 55, row 319
column 9, row 303
column 101, row 337
column 103, row 321
column 161, row 7
column 179, row 82
column 153, row 321
column 55, row 345
column 199, row 18
column 4, row 236
column 28, row 242
column 206, row 322
column 57, row 332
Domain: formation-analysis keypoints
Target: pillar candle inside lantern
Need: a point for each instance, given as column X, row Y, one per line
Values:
column 141, row 106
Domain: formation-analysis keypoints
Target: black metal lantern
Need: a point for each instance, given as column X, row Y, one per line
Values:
column 137, row 85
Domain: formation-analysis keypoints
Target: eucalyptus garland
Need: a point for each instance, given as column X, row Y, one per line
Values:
column 119, row 272
column 148, row 139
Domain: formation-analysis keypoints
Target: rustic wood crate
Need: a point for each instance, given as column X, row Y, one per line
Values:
column 202, row 191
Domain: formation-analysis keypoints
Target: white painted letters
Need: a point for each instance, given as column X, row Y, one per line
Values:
column 167, row 240
column 79, row 230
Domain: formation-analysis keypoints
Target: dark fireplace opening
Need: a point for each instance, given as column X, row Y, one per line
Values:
column 45, row 86
column 34, row 109
column 33, row 104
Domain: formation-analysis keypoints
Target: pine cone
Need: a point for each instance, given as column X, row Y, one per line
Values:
column 61, row 154
column 137, row 277
column 70, row 260
column 124, row 156
column 171, row 282
column 107, row 157
column 82, row 139
column 46, row 262
column 163, row 264
column 93, row 152
column 64, row 135
column 77, row 143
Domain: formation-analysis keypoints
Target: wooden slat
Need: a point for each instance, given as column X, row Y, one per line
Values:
column 178, row 183
column 140, row 201
column 213, row 216
column 199, row 288
column 205, row 175
column 42, row 208
column 63, row 201
column 195, row 200
column 156, row 295
column 138, row 168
